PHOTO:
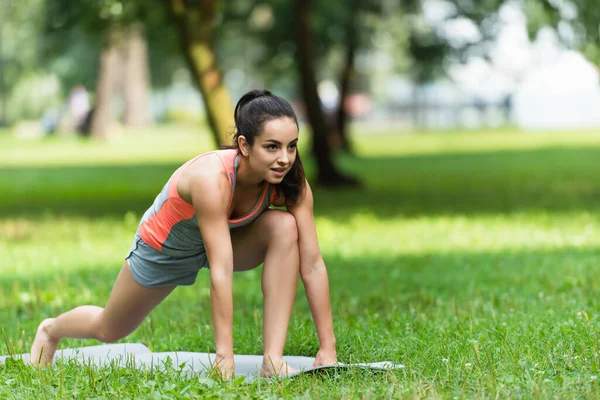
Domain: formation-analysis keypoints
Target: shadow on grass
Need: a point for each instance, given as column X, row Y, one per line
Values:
column 553, row 179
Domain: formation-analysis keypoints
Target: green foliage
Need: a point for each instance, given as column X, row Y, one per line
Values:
column 20, row 40
column 32, row 95
column 93, row 16
column 576, row 23
column 75, row 63
column 76, row 32
column 272, row 60
column 471, row 258
column 256, row 38
column 63, row 38
column 539, row 15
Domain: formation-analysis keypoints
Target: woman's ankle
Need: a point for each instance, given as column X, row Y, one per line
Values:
column 46, row 327
column 272, row 359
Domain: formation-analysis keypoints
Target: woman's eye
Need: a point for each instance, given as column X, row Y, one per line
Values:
column 271, row 147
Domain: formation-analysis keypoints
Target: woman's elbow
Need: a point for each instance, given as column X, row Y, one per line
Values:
column 308, row 269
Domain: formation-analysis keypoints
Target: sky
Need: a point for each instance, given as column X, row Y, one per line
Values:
column 553, row 87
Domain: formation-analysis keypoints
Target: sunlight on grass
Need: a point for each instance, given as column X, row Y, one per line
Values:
column 471, row 141
column 157, row 144
column 369, row 235
column 182, row 142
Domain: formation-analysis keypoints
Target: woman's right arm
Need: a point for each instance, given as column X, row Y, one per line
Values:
column 210, row 197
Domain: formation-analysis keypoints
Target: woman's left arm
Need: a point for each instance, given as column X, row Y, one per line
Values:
column 314, row 277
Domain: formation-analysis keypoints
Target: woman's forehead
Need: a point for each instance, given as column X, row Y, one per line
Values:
column 280, row 129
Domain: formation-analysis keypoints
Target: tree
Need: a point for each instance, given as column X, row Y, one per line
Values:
column 257, row 39
column 136, row 79
column 121, row 30
column 108, row 76
column 195, row 21
column 327, row 173
column 347, row 73
column 428, row 52
column 123, row 61
column 338, row 33
column 20, row 26
column 332, row 28
column 342, row 33
column 575, row 22
column 414, row 47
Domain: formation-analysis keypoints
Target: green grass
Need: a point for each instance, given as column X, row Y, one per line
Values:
column 471, row 258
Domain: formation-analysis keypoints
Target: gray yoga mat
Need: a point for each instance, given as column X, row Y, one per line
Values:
column 138, row 355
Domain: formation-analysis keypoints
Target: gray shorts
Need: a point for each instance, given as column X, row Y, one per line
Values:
column 151, row 268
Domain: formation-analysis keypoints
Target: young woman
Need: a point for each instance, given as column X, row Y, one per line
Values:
column 215, row 212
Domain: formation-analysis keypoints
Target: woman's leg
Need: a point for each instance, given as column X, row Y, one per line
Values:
column 129, row 303
column 273, row 239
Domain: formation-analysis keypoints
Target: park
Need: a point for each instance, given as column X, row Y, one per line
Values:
column 466, row 255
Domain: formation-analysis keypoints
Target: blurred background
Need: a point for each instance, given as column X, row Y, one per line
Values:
column 96, row 68
column 452, row 147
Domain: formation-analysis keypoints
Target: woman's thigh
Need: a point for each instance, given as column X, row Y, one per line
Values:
column 128, row 304
column 250, row 242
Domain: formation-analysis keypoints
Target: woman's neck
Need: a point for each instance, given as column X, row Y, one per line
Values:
column 245, row 177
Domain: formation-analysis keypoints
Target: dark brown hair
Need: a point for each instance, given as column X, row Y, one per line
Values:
column 252, row 111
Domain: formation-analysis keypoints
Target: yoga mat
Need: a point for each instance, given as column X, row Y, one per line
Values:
column 138, row 355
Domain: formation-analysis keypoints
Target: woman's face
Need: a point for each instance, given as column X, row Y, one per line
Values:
column 274, row 150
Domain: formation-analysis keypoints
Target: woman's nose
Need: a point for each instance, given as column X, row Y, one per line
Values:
column 283, row 158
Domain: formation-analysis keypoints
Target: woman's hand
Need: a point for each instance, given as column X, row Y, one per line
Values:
column 325, row 357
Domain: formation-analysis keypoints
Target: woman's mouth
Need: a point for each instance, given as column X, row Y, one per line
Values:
column 279, row 172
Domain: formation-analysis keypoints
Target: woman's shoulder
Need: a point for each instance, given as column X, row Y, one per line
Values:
column 211, row 162
column 208, row 172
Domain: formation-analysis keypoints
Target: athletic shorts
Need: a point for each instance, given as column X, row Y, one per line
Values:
column 151, row 268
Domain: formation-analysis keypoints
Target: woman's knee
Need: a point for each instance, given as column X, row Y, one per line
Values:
column 281, row 226
column 109, row 334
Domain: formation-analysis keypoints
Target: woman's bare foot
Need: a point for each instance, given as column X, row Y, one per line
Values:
column 43, row 348
column 272, row 368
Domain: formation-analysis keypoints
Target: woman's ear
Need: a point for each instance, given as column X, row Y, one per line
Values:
column 243, row 145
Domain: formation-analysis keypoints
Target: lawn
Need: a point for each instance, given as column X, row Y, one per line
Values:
column 468, row 257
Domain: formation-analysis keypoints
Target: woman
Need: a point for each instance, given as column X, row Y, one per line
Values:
column 215, row 212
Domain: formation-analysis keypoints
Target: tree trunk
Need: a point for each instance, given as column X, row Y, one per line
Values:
column 108, row 76
column 327, row 173
column 345, row 78
column 195, row 21
column 136, row 83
